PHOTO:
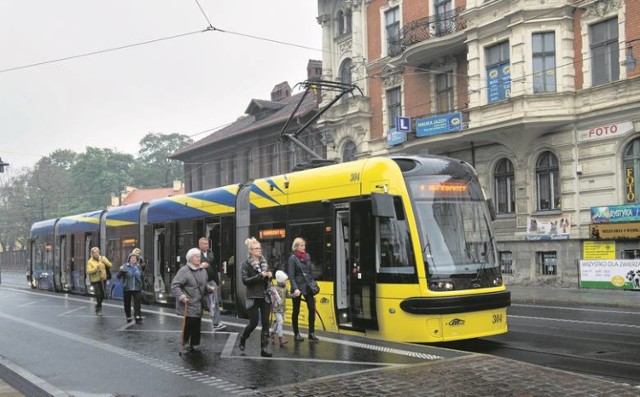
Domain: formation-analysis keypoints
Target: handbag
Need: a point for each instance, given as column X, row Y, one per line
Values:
column 106, row 268
column 313, row 285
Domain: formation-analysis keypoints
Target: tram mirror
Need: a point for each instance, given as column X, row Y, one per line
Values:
column 382, row 205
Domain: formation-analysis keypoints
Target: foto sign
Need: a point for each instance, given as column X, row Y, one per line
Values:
column 610, row 130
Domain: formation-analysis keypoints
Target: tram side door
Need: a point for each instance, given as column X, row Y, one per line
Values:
column 162, row 270
column 61, row 281
column 362, row 272
column 342, row 266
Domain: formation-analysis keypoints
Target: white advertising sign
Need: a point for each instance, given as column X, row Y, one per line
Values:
column 610, row 274
column 610, row 130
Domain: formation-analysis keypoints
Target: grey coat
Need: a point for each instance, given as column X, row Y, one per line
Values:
column 192, row 284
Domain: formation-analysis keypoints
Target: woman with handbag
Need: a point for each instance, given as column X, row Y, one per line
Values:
column 299, row 269
column 256, row 276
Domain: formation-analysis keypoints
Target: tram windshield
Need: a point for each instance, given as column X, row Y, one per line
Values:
column 455, row 234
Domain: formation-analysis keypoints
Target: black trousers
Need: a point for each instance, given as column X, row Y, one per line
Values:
column 192, row 331
column 98, row 289
column 311, row 306
column 265, row 309
column 137, row 299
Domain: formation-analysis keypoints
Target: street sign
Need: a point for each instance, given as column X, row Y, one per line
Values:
column 403, row 124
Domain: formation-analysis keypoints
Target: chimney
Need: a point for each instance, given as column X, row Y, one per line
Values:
column 280, row 91
column 314, row 72
column 177, row 185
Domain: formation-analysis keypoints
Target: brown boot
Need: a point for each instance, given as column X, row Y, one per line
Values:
column 283, row 341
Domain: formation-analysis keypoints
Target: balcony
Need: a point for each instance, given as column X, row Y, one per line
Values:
column 429, row 28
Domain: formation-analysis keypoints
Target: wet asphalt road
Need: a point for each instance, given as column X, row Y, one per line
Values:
column 58, row 339
column 593, row 340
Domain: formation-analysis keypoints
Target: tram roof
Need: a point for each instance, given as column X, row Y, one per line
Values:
column 43, row 227
column 89, row 222
column 124, row 215
column 209, row 202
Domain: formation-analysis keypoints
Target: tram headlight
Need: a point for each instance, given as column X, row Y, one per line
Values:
column 442, row 286
column 497, row 281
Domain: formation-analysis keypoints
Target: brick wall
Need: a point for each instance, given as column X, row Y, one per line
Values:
column 577, row 48
column 417, row 92
column 632, row 27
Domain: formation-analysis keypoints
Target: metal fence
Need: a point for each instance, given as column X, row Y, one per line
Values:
column 14, row 260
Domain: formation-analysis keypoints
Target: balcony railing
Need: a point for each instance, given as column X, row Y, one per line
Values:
column 428, row 28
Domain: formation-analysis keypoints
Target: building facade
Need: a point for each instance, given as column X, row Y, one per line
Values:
column 346, row 124
column 251, row 147
column 541, row 97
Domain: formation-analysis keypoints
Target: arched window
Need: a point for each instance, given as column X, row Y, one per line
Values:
column 340, row 21
column 547, row 176
column 349, row 151
column 345, row 71
column 631, row 164
column 505, row 194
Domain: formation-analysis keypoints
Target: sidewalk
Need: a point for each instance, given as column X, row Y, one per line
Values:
column 585, row 296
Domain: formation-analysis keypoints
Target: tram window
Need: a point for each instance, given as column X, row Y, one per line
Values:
column 312, row 234
column 114, row 252
column 185, row 243
column 395, row 255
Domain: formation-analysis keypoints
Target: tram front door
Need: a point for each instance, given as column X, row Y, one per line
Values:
column 356, row 267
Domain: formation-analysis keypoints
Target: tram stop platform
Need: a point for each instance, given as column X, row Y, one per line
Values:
column 338, row 365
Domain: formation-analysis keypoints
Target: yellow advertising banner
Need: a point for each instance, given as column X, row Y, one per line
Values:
column 599, row 250
column 614, row 231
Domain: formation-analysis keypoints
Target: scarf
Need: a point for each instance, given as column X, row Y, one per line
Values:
column 301, row 255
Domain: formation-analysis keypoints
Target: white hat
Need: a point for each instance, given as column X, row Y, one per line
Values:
column 281, row 276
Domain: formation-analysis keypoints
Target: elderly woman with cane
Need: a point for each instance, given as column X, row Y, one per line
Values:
column 189, row 286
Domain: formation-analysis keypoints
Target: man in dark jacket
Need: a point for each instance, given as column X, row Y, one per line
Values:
column 213, row 280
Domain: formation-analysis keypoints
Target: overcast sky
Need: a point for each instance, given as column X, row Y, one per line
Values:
column 111, row 100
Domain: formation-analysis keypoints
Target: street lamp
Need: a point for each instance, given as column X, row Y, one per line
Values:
column 629, row 61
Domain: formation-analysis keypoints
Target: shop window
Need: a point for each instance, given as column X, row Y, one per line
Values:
column 631, row 254
column 349, row 151
column 498, row 72
column 444, row 93
column 544, row 62
column 548, row 182
column 603, row 40
column 392, row 30
column 394, row 106
column 506, row 261
column 548, row 262
column 505, row 194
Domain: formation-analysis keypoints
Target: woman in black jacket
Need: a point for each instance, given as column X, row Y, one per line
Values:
column 299, row 265
column 256, row 276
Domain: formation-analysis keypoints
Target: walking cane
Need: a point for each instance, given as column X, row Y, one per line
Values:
column 184, row 325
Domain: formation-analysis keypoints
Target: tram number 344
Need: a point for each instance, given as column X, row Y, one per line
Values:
column 497, row 318
column 355, row 177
